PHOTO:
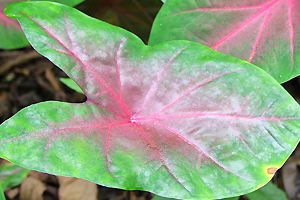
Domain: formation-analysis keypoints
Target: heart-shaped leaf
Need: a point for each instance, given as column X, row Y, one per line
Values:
column 176, row 119
column 11, row 34
column 266, row 33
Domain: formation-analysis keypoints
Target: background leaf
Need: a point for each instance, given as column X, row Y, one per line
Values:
column 156, row 197
column 232, row 198
column 11, row 175
column 2, row 197
column 266, row 33
column 65, row 2
column 151, row 112
column 268, row 192
column 11, row 35
column 71, row 84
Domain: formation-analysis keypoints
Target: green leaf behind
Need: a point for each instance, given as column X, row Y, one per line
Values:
column 71, row 84
column 11, row 175
column 266, row 33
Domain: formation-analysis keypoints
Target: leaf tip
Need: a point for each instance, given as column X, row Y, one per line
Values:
column 12, row 10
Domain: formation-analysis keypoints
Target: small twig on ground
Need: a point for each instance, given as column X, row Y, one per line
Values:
column 23, row 58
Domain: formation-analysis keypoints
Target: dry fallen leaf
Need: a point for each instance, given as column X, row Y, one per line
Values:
column 76, row 189
column 290, row 174
column 12, row 193
column 32, row 189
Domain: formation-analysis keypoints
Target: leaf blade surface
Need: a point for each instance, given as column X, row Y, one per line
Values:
column 148, row 106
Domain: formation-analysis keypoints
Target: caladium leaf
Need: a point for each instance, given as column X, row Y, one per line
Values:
column 177, row 119
column 266, row 33
column 11, row 34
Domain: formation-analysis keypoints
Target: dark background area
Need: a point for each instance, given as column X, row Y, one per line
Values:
column 27, row 78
